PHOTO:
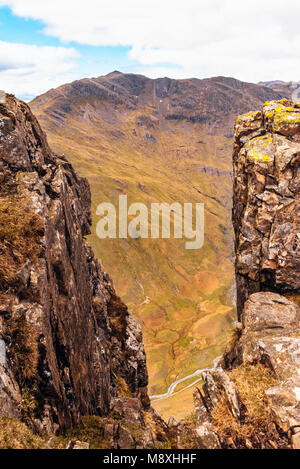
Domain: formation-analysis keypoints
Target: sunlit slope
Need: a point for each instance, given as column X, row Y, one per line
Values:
column 160, row 141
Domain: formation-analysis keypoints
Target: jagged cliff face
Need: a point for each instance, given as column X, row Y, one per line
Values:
column 65, row 336
column 266, row 205
column 252, row 398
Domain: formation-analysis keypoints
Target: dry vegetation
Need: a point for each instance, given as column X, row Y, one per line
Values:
column 20, row 233
column 256, row 428
column 91, row 431
column 23, row 350
column 163, row 439
column 16, row 435
column 123, row 388
column 117, row 314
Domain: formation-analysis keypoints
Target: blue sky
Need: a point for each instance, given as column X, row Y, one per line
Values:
column 92, row 61
column 27, row 31
column 45, row 44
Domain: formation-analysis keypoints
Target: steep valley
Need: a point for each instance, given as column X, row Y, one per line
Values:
column 161, row 141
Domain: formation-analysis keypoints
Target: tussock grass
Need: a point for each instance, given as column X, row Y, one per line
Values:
column 20, row 233
column 16, row 435
column 123, row 388
column 91, row 430
column 117, row 313
column 163, row 439
column 23, row 350
column 251, row 383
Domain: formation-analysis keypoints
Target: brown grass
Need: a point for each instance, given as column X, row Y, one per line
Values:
column 163, row 439
column 23, row 350
column 117, row 313
column 29, row 406
column 91, row 431
column 251, row 383
column 191, row 419
column 123, row 388
column 188, row 436
column 20, row 233
column 16, row 435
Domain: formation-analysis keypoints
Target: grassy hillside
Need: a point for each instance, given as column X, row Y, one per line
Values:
column 160, row 141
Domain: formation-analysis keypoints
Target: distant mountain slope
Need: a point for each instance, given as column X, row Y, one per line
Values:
column 161, row 140
column 290, row 89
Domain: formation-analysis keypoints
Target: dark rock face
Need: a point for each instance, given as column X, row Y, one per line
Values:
column 86, row 339
column 266, row 207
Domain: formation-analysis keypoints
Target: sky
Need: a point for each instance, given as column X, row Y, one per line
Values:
column 44, row 44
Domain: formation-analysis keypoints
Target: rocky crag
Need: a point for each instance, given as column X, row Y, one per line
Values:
column 252, row 399
column 68, row 346
column 266, row 203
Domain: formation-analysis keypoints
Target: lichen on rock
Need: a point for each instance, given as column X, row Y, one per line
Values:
column 253, row 400
column 266, row 206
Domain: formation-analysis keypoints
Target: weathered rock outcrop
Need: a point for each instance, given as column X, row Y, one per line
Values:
column 266, row 204
column 252, row 400
column 257, row 390
column 66, row 339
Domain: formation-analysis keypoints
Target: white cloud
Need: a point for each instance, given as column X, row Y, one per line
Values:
column 27, row 70
column 257, row 40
